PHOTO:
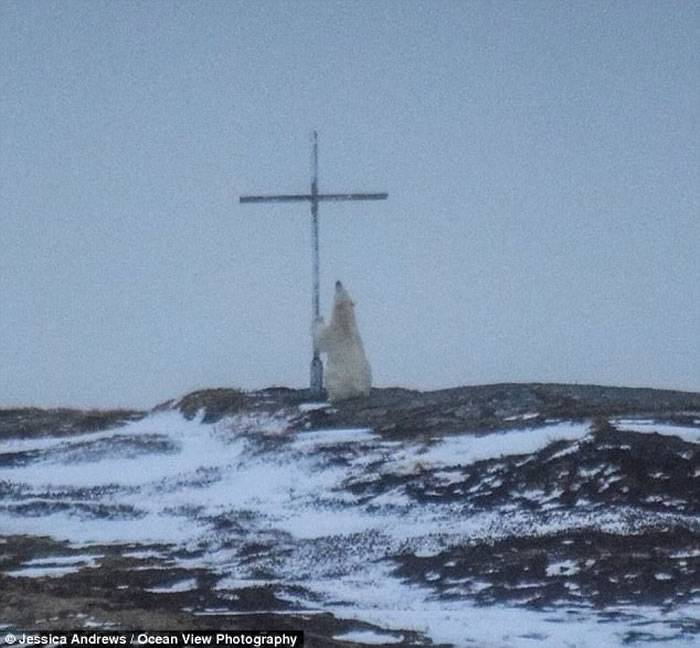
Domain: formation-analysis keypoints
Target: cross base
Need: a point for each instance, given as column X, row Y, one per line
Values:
column 316, row 384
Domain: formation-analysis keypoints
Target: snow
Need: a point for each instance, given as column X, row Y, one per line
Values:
column 686, row 554
column 261, row 423
column 447, row 477
column 333, row 437
column 662, row 576
column 522, row 417
column 687, row 433
column 42, row 572
column 149, row 553
column 190, row 474
column 381, row 599
column 562, row 568
column 312, row 407
column 463, row 450
column 215, row 470
column 369, row 637
column 180, row 586
column 566, row 451
column 64, row 560
column 104, row 470
column 54, row 566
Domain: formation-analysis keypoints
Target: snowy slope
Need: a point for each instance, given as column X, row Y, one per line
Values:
column 565, row 533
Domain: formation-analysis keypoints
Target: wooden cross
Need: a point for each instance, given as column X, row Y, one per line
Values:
column 316, row 382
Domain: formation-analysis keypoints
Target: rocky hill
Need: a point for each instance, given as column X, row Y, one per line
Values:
column 497, row 515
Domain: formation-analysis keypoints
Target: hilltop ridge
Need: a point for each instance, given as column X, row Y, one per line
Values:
column 388, row 410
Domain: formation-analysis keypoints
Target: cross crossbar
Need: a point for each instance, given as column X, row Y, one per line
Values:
column 303, row 197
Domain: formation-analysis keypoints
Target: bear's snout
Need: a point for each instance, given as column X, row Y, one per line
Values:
column 338, row 285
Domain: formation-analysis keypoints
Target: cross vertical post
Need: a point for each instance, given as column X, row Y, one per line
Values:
column 316, row 371
column 315, row 197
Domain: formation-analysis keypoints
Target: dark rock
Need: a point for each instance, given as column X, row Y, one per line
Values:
column 34, row 422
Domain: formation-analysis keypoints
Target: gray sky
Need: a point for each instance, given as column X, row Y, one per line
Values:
column 542, row 161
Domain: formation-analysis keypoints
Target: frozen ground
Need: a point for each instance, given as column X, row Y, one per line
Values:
column 565, row 533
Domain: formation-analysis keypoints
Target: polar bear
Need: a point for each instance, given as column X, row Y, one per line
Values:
column 348, row 374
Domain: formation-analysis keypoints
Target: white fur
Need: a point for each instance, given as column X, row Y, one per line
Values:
column 348, row 374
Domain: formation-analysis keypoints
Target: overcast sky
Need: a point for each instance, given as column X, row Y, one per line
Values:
column 541, row 158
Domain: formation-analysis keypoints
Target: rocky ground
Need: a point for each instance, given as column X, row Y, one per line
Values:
column 499, row 515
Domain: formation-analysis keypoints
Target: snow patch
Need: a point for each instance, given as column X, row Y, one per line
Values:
column 180, row 586
column 562, row 568
column 369, row 637
column 54, row 567
column 467, row 449
column 322, row 438
column 687, row 433
column 313, row 407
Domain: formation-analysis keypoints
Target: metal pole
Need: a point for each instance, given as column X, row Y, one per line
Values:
column 316, row 384
column 314, row 222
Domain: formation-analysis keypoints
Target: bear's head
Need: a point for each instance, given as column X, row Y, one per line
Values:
column 342, row 295
column 343, row 317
